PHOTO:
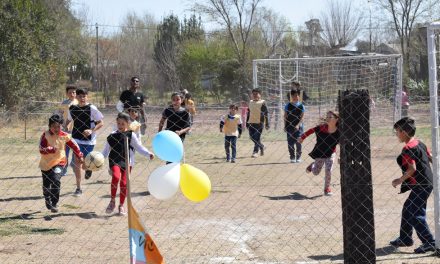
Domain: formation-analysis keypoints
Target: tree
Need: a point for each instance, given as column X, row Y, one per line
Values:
column 238, row 18
column 404, row 15
column 274, row 29
column 340, row 24
column 166, row 50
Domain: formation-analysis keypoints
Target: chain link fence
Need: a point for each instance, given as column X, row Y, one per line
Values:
column 261, row 210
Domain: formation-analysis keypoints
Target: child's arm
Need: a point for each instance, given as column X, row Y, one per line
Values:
column 139, row 148
column 74, row 146
column 186, row 126
column 222, row 123
column 44, row 146
column 161, row 123
column 240, row 127
column 411, row 169
column 106, row 150
column 265, row 115
column 306, row 134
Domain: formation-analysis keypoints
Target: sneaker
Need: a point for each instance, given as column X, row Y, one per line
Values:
column 292, row 160
column 54, row 209
column 254, row 155
column 122, row 210
column 228, row 160
column 309, row 168
column 400, row 243
column 88, row 174
column 262, row 151
column 328, row 192
column 110, row 207
column 233, row 161
column 77, row 192
column 298, row 161
column 425, row 247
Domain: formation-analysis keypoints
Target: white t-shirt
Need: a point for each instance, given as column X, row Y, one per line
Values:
column 95, row 115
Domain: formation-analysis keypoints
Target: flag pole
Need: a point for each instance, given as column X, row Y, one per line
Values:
column 127, row 169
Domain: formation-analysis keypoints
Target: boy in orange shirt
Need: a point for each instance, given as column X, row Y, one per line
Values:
column 53, row 159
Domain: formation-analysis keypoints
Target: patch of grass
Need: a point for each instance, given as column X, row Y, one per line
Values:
column 13, row 228
column 69, row 206
column 422, row 132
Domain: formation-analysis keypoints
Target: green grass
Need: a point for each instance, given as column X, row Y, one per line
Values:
column 13, row 227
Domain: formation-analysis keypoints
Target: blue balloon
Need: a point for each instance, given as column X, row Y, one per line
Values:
column 168, row 146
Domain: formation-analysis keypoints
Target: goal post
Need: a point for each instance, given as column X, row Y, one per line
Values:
column 322, row 77
column 433, row 41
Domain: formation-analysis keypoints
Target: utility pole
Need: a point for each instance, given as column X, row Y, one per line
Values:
column 97, row 58
column 369, row 6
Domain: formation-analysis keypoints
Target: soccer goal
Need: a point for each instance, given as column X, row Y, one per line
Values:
column 321, row 79
column 433, row 40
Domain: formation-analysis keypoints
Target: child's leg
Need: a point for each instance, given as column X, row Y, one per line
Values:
column 418, row 208
column 55, row 186
column 258, row 137
column 297, row 145
column 328, row 170
column 253, row 134
column 116, row 175
column 290, row 144
column 317, row 166
column 46, row 188
column 123, row 186
column 227, row 145
column 233, row 141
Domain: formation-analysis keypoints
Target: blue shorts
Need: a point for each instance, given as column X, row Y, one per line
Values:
column 86, row 149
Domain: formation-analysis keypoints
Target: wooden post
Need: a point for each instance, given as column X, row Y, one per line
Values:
column 356, row 179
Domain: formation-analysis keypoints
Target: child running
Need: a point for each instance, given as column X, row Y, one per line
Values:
column 231, row 126
column 257, row 119
column 87, row 119
column 115, row 151
column 177, row 117
column 293, row 117
column 324, row 152
column 53, row 159
column 417, row 178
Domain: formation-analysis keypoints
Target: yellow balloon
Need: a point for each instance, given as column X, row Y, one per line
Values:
column 194, row 183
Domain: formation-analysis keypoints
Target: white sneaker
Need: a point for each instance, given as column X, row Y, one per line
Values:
column 298, row 161
column 292, row 160
column 254, row 155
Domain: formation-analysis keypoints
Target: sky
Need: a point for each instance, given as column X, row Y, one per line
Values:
column 112, row 12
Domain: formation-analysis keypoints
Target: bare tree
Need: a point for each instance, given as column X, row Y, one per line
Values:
column 273, row 28
column 238, row 18
column 404, row 14
column 340, row 24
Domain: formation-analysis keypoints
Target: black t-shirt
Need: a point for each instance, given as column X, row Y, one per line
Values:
column 130, row 99
column 325, row 142
column 176, row 120
column 415, row 152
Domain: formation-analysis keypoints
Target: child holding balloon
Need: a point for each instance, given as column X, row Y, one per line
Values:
column 231, row 126
column 114, row 149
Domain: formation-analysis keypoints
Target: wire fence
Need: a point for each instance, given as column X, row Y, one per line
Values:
column 262, row 209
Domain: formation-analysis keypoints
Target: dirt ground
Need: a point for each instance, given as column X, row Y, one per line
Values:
column 261, row 210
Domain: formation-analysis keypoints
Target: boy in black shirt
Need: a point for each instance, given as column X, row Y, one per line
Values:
column 417, row 177
column 177, row 117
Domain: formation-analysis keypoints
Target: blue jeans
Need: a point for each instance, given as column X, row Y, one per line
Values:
column 231, row 142
column 414, row 216
column 255, row 131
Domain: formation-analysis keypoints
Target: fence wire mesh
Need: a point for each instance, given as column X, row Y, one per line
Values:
column 263, row 209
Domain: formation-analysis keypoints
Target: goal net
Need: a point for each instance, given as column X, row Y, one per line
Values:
column 322, row 78
column 433, row 41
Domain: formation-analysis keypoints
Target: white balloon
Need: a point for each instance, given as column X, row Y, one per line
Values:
column 163, row 182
